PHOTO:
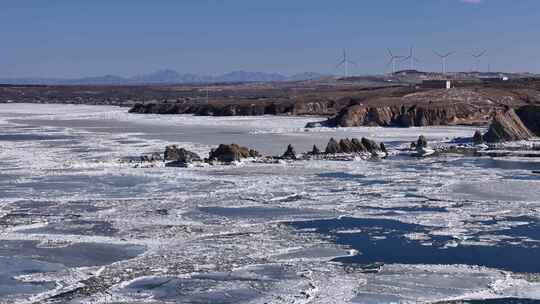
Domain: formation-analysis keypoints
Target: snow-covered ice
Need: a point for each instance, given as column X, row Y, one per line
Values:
column 298, row 232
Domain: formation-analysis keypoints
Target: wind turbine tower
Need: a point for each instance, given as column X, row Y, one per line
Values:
column 443, row 57
column 412, row 59
column 477, row 57
column 393, row 59
column 345, row 63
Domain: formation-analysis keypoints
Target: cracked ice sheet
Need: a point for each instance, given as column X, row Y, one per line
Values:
column 161, row 207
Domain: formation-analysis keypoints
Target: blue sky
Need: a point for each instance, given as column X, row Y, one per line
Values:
column 73, row 38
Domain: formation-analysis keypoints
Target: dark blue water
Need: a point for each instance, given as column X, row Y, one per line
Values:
column 395, row 248
column 530, row 230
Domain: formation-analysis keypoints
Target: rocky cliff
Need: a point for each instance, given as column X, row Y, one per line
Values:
column 426, row 108
column 239, row 108
column 530, row 116
column 507, row 126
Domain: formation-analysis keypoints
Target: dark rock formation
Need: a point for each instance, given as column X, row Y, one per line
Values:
column 348, row 146
column 358, row 146
column 289, row 153
column 403, row 116
column 421, row 142
column 345, row 146
column 315, row 150
column 478, row 138
column 507, row 126
column 383, row 148
column 332, row 147
column 173, row 153
column 530, row 116
column 151, row 157
column 371, row 146
column 423, row 108
column 231, row 153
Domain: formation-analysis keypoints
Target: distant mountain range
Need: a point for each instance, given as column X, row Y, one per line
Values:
column 166, row 77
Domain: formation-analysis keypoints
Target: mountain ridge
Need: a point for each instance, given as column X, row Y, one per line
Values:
column 165, row 76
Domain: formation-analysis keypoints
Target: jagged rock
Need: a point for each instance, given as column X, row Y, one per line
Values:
column 478, row 138
column 371, row 146
column 530, row 116
column 315, row 150
column 358, row 146
column 413, row 146
column 231, row 153
column 345, row 146
column 421, row 142
column 289, row 153
column 507, row 126
column 430, row 107
column 151, row 157
column 332, row 147
column 348, row 146
column 254, row 153
column 173, row 153
column 383, row 148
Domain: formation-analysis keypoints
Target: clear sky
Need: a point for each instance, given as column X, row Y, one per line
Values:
column 73, row 38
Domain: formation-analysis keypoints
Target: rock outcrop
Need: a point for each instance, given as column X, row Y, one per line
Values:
column 530, row 116
column 478, row 138
column 231, row 153
column 507, row 126
column 370, row 145
column 348, row 146
column 421, row 147
column 424, row 108
column 315, row 150
column 332, row 147
column 173, row 153
column 289, row 153
column 152, row 157
column 180, row 157
column 421, row 142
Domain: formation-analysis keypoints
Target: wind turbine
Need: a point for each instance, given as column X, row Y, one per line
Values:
column 393, row 59
column 443, row 57
column 345, row 63
column 412, row 58
column 477, row 57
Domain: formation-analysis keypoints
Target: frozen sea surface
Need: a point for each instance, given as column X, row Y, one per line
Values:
column 79, row 224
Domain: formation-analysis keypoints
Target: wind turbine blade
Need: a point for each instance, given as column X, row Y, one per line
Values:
column 438, row 54
column 390, row 53
column 341, row 63
column 405, row 58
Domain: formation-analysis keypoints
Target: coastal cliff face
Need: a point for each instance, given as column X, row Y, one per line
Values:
column 530, row 116
column 240, row 108
column 507, row 126
column 407, row 116
column 428, row 108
